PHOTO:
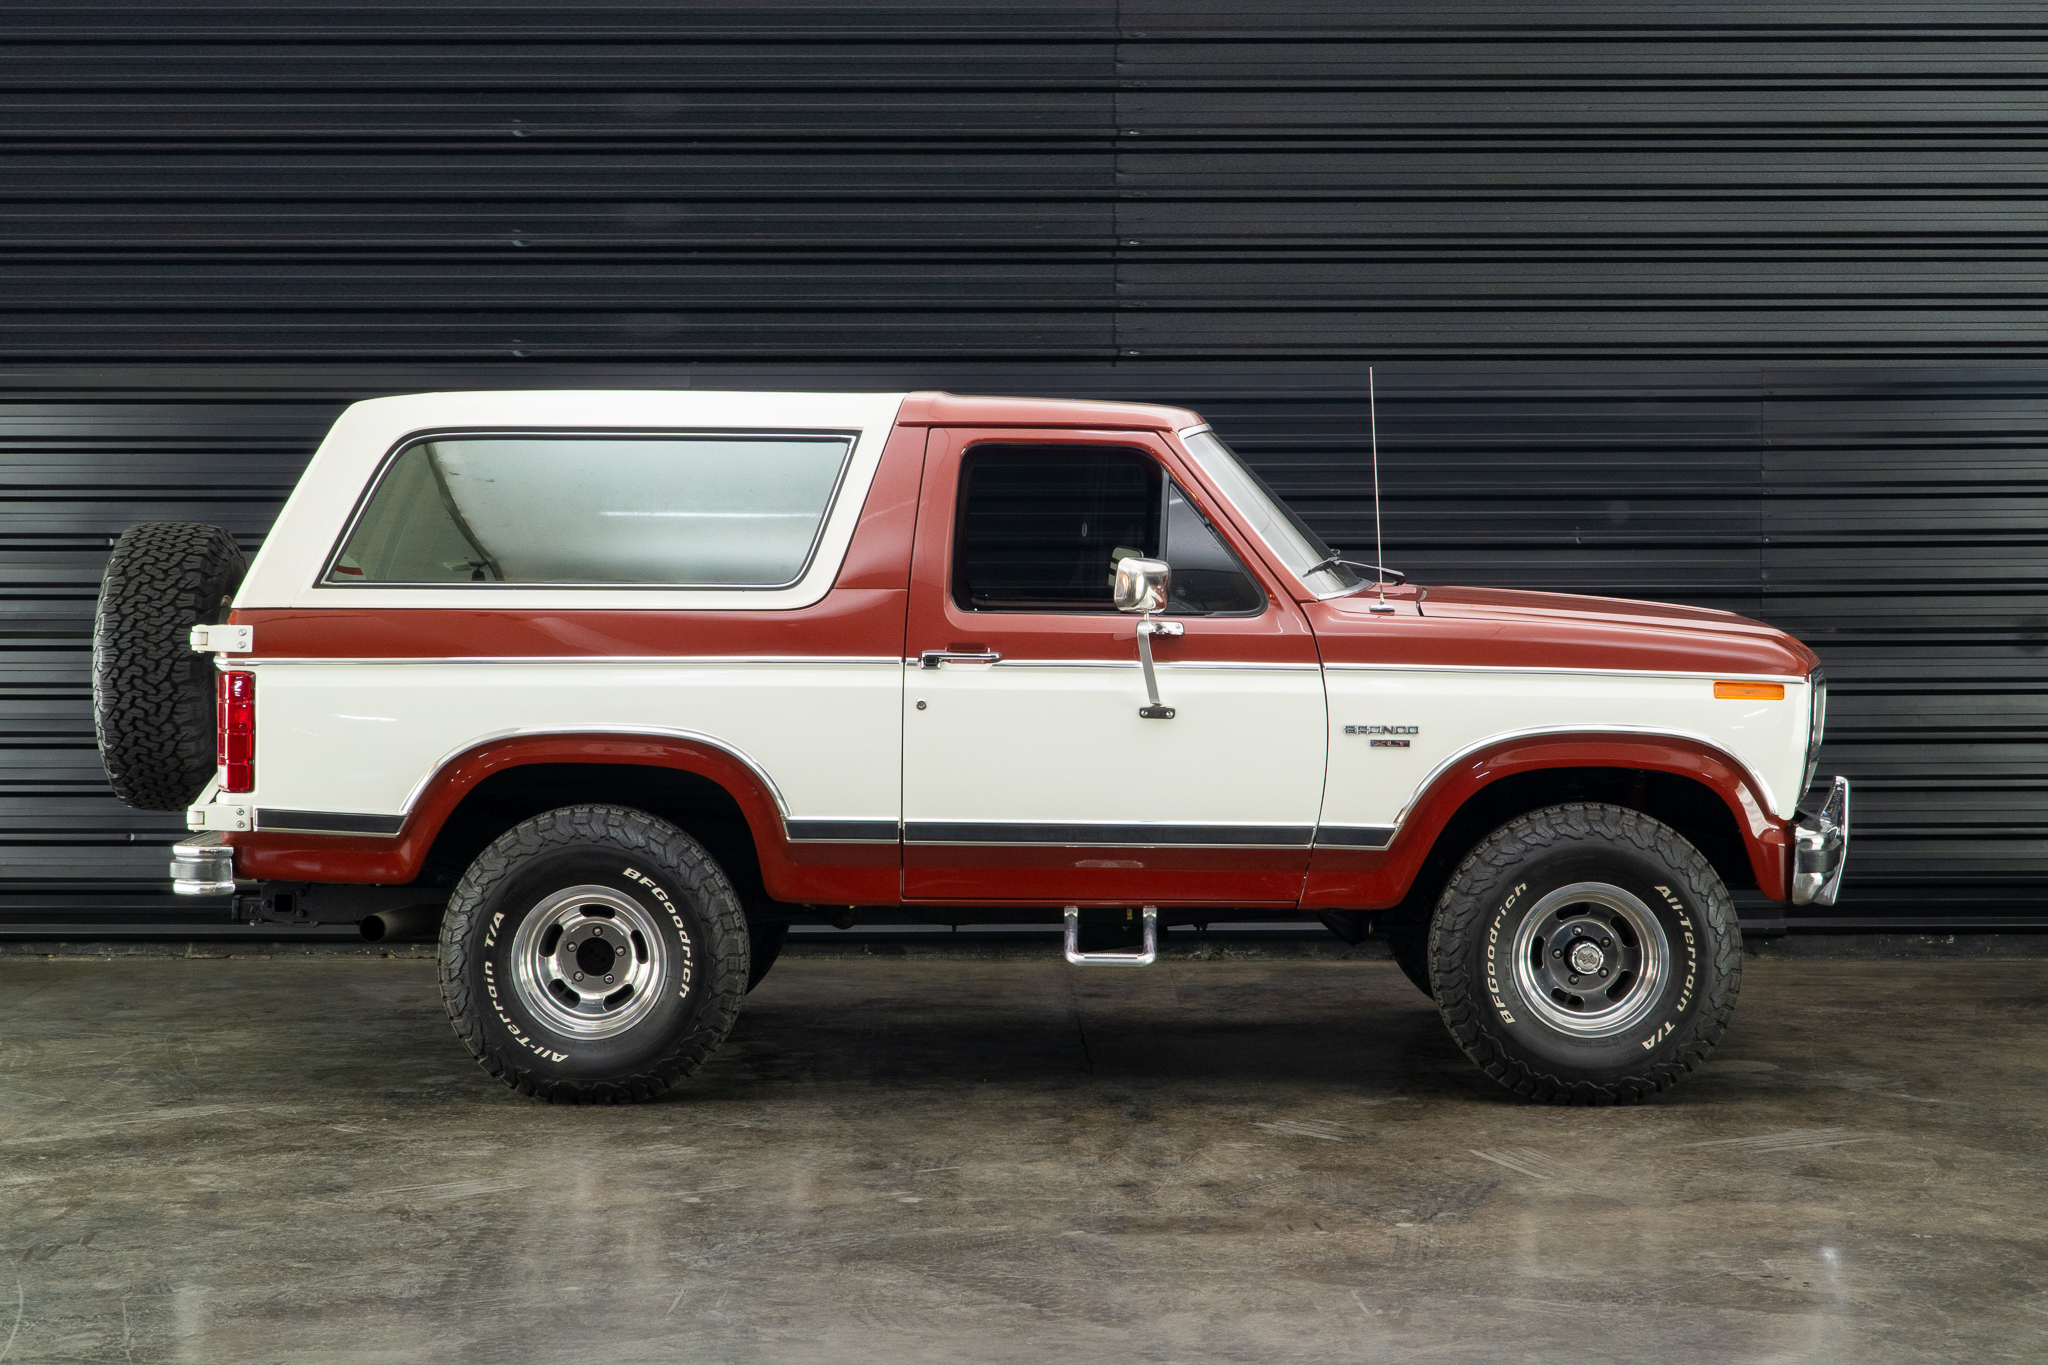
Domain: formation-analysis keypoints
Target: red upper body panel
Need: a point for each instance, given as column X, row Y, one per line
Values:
column 1496, row 628
column 929, row 409
column 865, row 614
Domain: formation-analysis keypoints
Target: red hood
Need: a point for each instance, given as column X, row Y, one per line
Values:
column 1500, row 628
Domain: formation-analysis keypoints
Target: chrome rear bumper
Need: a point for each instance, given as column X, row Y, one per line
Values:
column 203, row 866
column 1821, row 848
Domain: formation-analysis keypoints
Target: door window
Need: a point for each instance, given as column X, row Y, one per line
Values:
column 1041, row 528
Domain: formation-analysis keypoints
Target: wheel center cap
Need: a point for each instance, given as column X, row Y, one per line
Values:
column 596, row 956
column 1586, row 957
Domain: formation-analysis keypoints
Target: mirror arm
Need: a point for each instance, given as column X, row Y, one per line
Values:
column 1147, row 628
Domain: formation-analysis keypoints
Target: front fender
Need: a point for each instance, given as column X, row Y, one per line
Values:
column 1375, row 880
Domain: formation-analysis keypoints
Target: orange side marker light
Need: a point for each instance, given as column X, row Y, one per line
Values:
column 1741, row 691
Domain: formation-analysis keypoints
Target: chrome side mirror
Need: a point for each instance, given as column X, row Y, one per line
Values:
column 1141, row 584
column 1140, row 588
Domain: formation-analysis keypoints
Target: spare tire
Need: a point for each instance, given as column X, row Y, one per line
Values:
column 152, row 696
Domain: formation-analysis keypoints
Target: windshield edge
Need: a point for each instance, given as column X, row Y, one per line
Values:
column 1312, row 548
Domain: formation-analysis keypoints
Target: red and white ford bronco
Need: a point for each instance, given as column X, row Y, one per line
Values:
column 630, row 681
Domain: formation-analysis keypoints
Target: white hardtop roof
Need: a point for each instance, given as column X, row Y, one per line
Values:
column 287, row 570
column 611, row 407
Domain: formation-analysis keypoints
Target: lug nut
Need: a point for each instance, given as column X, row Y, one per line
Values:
column 1574, row 978
column 1606, row 943
column 1603, row 973
column 579, row 976
column 1557, row 952
column 607, row 978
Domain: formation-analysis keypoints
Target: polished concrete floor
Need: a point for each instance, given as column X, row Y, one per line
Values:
column 913, row 1159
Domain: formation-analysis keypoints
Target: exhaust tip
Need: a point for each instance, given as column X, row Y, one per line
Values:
column 407, row 922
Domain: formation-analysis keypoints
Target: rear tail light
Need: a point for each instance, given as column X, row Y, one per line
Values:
column 237, row 732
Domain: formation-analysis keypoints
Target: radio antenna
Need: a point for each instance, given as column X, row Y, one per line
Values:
column 1379, row 544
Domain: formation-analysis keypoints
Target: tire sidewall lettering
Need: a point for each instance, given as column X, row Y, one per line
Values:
column 1495, row 956
column 1691, row 948
column 512, row 1028
column 684, row 960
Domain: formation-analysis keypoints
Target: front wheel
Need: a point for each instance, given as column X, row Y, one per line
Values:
column 593, row 954
column 1586, row 954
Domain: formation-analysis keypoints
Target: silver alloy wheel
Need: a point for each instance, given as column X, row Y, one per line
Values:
column 589, row 962
column 1590, row 959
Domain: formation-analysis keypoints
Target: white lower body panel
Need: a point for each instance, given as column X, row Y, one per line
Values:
column 368, row 737
column 1064, row 744
column 1454, row 712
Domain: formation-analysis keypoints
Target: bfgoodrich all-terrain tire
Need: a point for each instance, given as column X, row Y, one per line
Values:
column 593, row 954
column 152, row 697
column 1586, row 954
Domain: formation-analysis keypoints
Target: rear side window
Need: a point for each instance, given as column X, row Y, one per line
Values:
column 727, row 511
column 1041, row 528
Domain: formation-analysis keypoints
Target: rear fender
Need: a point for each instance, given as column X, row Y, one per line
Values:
column 797, row 872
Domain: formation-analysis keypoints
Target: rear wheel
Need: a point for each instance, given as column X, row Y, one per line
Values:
column 593, row 954
column 1586, row 954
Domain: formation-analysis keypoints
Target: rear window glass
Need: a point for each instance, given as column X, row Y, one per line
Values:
column 727, row 511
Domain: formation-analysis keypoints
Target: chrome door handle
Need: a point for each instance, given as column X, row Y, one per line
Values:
column 932, row 658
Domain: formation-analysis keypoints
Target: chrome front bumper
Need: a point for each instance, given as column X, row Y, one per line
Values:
column 203, row 866
column 1821, row 849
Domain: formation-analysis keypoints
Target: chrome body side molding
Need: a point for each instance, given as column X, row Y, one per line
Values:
column 842, row 831
column 1104, row 834
column 328, row 822
column 1355, row 836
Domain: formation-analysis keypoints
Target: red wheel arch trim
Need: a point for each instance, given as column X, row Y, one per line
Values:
column 1494, row 743
column 797, row 871
column 690, row 738
column 1361, row 879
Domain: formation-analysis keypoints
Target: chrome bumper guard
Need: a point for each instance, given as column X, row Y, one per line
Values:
column 1821, row 849
column 203, row 866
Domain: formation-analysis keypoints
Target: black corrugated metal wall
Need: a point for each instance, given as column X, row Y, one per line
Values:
column 1737, row 305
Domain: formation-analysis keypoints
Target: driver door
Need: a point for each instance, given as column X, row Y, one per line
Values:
column 1029, row 774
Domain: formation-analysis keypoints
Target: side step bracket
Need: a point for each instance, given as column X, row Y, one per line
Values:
column 1144, row 958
